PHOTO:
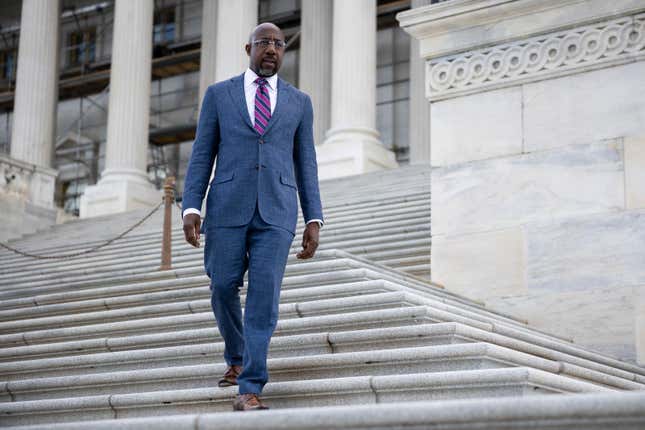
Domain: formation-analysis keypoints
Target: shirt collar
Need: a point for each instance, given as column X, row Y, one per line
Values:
column 250, row 76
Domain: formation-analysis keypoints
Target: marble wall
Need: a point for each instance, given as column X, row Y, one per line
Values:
column 538, row 155
column 540, row 212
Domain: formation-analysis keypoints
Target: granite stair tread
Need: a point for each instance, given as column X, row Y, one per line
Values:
column 109, row 341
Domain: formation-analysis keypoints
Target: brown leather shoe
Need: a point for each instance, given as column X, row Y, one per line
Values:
column 230, row 376
column 248, row 402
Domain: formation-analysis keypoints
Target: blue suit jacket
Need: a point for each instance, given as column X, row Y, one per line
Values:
column 270, row 168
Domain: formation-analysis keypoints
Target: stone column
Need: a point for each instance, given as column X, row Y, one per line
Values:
column 235, row 21
column 208, row 49
column 124, row 183
column 315, row 60
column 36, row 99
column 27, row 180
column 352, row 145
column 419, row 128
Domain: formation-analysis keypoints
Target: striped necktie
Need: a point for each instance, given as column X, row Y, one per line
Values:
column 262, row 106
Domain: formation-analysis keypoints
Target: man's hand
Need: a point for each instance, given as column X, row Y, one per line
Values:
column 191, row 229
column 309, row 241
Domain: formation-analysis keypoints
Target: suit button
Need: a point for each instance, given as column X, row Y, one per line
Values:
column 257, row 167
column 261, row 140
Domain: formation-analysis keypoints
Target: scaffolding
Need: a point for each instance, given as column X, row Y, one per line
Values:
column 86, row 29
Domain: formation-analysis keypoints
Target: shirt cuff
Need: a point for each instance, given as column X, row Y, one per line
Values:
column 319, row 221
column 191, row 211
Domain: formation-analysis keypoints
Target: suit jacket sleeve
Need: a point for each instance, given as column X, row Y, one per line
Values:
column 305, row 166
column 203, row 153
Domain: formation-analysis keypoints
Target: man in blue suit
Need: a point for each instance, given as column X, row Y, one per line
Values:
column 260, row 129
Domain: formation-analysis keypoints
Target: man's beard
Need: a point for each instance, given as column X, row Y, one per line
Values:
column 266, row 72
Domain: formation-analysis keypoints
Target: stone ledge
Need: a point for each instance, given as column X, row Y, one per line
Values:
column 408, row 385
column 462, row 25
column 579, row 411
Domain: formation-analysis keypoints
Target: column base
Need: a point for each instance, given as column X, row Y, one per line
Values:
column 352, row 151
column 118, row 191
column 26, row 198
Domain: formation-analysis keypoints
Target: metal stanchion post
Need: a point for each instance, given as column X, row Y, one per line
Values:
column 166, row 246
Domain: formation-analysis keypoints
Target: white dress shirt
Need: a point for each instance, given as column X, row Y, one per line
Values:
column 250, row 88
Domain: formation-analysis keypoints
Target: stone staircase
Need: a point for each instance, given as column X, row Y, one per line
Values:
column 364, row 339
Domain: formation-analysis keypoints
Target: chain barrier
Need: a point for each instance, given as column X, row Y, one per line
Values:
column 86, row 251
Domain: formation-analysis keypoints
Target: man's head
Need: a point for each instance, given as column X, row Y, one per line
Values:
column 265, row 58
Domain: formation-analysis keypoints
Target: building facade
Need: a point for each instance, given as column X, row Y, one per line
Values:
column 108, row 93
column 538, row 161
column 534, row 109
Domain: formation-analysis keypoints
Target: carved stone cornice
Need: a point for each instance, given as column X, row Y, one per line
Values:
column 477, row 45
column 602, row 44
column 460, row 25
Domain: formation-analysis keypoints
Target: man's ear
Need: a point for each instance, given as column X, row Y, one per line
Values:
column 247, row 48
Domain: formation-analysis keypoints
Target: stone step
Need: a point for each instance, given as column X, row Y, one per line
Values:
column 374, row 201
column 394, row 184
column 421, row 270
column 50, row 244
column 362, row 195
column 108, row 335
column 181, row 294
column 211, row 350
column 475, row 316
column 323, row 262
column 148, row 257
column 165, row 277
column 385, row 242
column 305, row 272
column 386, row 176
column 144, row 232
column 448, row 313
column 475, row 311
column 169, row 317
column 477, row 319
column 582, row 411
column 333, row 228
column 427, row 359
column 382, row 318
column 403, row 263
column 361, row 191
column 150, row 251
column 410, row 251
column 142, row 309
column 345, row 216
column 283, row 345
column 193, row 258
column 357, row 390
column 132, row 287
column 194, row 288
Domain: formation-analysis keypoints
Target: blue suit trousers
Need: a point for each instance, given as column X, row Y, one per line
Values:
column 229, row 252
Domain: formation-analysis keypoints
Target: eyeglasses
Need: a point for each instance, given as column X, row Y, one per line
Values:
column 264, row 43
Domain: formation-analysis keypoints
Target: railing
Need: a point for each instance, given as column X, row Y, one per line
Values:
column 166, row 244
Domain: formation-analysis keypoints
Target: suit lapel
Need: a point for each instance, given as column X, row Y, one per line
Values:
column 236, row 91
